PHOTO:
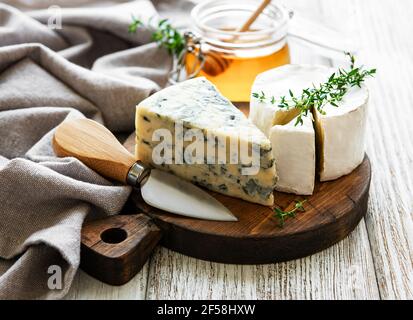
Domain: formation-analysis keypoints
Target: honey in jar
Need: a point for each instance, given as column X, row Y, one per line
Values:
column 233, row 59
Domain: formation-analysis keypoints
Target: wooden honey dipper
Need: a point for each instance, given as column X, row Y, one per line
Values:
column 214, row 63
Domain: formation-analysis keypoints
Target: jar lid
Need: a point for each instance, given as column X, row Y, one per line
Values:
column 217, row 21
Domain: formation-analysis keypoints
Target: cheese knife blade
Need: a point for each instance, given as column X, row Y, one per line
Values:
column 170, row 193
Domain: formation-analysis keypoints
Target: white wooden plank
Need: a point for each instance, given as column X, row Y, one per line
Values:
column 87, row 288
column 385, row 33
column 344, row 271
column 385, row 30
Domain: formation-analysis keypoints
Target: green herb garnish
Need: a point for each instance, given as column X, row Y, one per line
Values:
column 260, row 96
column 136, row 23
column 284, row 215
column 330, row 92
column 164, row 34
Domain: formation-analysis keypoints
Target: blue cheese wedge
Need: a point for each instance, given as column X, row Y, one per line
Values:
column 194, row 108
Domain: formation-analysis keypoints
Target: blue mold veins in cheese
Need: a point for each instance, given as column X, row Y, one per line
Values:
column 196, row 105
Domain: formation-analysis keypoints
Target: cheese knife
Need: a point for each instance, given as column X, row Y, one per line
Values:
column 98, row 148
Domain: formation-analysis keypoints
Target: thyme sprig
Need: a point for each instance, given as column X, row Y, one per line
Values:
column 135, row 24
column 164, row 34
column 330, row 92
column 282, row 216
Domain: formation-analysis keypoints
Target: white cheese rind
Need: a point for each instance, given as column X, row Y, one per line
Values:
column 341, row 135
column 293, row 146
column 294, row 154
column 277, row 82
column 197, row 104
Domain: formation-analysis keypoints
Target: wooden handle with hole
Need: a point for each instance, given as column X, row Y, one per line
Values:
column 95, row 146
column 115, row 249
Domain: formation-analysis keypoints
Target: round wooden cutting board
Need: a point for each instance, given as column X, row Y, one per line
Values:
column 331, row 213
column 115, row 248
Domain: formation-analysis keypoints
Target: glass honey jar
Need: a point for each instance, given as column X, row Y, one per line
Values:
column 232, row 59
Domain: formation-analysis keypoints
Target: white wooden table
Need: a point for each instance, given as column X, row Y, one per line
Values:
column 375, row 261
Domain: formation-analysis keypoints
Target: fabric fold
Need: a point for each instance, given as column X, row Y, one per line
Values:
column 91, row 67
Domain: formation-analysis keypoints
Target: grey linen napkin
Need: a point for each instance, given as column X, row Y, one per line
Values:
column 44, row 199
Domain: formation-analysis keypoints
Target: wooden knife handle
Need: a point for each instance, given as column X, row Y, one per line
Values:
column 95, row 146
column 116, row 248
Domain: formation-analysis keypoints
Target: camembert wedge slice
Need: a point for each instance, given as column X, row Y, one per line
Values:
column 339, row 133
column 294, row 153
column 196, row 106
column 294, row 147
